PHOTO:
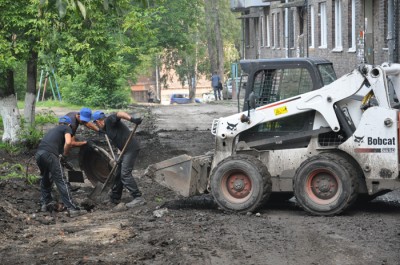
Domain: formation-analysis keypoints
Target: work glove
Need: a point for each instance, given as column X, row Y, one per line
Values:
column 136, row 121
column 101, row 132
column 90, row 144
column 65, row 163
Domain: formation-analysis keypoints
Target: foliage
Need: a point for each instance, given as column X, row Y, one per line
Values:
column 32, row 179
column 78, row 91
column 10, row 149
column 96, row 47
column 20, row 79
column 46, row 117
column 16, row 171
column 180, row 39
column 96, row 57
column 231, row 34
column 30, row 135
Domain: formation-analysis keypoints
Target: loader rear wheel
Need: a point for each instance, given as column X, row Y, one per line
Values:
column 326, row 184
column 240, row 183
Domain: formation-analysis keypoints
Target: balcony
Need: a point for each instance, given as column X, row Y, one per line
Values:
column 241, row 5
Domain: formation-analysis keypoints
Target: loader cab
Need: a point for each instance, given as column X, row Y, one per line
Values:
column 272, row 80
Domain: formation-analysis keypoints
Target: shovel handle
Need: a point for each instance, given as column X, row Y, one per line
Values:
column 109, row 146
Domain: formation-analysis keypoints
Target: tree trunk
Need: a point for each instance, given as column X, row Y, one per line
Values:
column 193, row 79
column 219, row 45
column 8, row 108
column 30, row 96
column 212, row 53
column 214, row 41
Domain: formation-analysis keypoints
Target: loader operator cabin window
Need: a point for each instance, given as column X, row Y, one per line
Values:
column 277, row 84
column 273, row 85
column 328, row 74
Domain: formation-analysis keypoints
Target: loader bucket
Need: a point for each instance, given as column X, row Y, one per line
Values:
column 185, row 175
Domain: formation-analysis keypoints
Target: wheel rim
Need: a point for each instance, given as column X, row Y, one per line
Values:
column 323, row 186
column 236, row 186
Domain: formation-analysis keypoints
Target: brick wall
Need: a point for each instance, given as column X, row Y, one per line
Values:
column 344, row 60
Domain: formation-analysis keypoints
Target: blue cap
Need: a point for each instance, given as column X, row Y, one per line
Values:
column 64, row 119
column 85, row 114
column 98, row 115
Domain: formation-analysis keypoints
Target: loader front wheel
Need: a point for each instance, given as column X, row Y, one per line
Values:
column 240, row 183
column 326, row 184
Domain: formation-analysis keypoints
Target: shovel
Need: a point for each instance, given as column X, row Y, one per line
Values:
column 100, row 191
column 109, row 146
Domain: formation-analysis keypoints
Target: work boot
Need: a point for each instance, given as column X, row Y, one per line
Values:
column 43, row 208
column 138, row 201
column 112, row 200
column 47, row 207
column 76, row 212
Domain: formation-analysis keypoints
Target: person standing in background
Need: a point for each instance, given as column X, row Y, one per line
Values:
column 215, row 80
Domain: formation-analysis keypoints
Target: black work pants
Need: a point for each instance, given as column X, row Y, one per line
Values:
column 217, row 91
column 52, row 170
column 124, row 176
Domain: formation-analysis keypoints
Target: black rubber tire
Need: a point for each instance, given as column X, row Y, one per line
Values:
column 326, row 184
column 240, row 183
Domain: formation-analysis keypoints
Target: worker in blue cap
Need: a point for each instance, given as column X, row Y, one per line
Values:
column 83, row 117
column 49, row 157
column 118, row 133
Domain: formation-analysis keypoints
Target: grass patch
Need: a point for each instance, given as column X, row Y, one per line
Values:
column 46, row 117
column 12, row 171
column 50, row 103
column 56, row 103
column 11, row 149
column 29, row 136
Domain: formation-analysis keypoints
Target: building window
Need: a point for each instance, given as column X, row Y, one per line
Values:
column 292, row 28
column 311, row 27
column 247, row 32
column 262, row 40
column 274, row 30
column 268, row 30
column 385, row 25
column 338, row 25
column 256, row 23
column 323, row 24
column 278, row 31
column 285, row 30
column 352, row 25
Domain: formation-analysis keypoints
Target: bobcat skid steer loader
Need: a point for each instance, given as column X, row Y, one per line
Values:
column 302, row 132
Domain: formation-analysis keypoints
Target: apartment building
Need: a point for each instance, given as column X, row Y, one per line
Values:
column 346, row 32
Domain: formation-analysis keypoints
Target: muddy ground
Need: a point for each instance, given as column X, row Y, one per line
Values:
column 188, row 232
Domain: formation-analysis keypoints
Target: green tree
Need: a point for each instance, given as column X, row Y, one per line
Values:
column 98, row 55
column 180, row 43
column 13, row 48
